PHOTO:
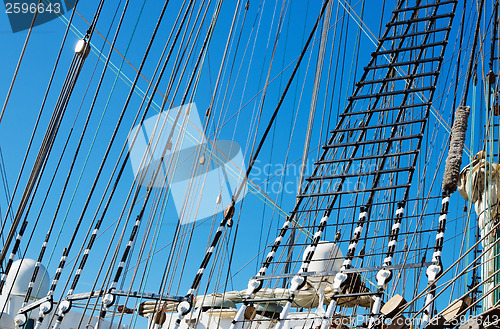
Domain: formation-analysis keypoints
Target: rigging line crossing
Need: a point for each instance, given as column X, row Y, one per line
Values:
column 184, row 120
column 341, row 277
column 434, row 112
column 78, row 60
column 155, row 127
column 254, row 116
column 51, row 226
column 447, row 284
column 66, row 304
column 295, row 283
column 125, row 78
column 123, row 165
column 44, row 245
column 82, row 136
column 147, row 268
column 339, row 124
column 324, row 36
column 254, row 286
column 298, row 281
column 124, row 162
column 147, row 231
column 19, row 64
column 93, row 140
column 37, row 265
column 47, row 144
column 334, row 82
column 384, row 276
column 45, row 199
column 272, row 80
column 37, row 122
column 108, row 300
column 202, row 222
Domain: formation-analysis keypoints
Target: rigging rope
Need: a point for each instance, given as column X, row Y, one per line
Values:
column 42, row 313
column 19, row 63
column 47, row 144
column 37, row 122
column 66, row 304
column 108, row 299
column 124, row 162
column 255, row 285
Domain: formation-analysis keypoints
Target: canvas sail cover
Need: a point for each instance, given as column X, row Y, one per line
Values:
column 479, row 183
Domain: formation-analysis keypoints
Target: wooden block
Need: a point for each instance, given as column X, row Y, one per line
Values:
column 393, row 306
column 455, row 308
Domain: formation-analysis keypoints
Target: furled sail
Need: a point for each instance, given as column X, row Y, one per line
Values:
column 480, row 183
